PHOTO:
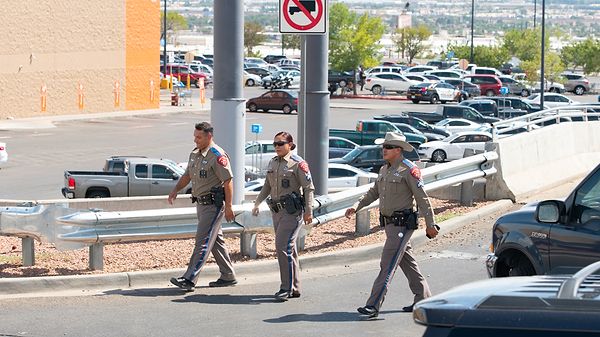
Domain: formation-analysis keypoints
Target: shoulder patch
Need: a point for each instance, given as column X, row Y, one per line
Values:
column 221, row 158
column 303, row 166
column 415, row 171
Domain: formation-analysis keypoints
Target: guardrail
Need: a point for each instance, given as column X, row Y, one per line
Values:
column 73, row 229
column 569, row 113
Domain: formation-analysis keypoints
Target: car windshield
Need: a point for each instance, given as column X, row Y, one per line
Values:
column 352, row 154
column 532, row 97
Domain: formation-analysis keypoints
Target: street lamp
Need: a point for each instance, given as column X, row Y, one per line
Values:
column 165, row 40
column 543, row 54
column 472, row 21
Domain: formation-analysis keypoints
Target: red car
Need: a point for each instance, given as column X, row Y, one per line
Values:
column 489, row 84
column 182, row 71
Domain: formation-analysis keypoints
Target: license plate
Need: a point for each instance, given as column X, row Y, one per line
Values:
column 413, row 96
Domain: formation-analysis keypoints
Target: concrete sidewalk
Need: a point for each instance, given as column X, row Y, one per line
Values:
column 248, row 272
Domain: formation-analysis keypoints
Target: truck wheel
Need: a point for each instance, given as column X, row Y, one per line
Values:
column 416, row 101
column 342, row 83
column 524, row 93
column 97, row 194
column 438, row 156
column 376, row 90
column 579, row 90
column 434, row 99
column 521, row 267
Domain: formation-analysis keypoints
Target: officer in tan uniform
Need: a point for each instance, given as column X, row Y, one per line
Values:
column 397, row 187
column 209, row 171
column 287, row 174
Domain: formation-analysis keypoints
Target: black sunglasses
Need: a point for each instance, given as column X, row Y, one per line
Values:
column 390, row 147
column 280, row 143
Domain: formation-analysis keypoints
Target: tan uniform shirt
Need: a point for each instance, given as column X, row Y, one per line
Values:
column 397, row 188
column 208, row 169
column 286, row 175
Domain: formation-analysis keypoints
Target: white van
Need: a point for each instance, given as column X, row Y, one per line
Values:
column 384, row 69
column 289, row 62
column 486, row 71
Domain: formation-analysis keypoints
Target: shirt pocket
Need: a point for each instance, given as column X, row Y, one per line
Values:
column 396, row 184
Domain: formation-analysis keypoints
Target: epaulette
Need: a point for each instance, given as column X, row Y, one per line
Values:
column 215, row 151
column 415, row 171
column 221, row 158
column 296, row 158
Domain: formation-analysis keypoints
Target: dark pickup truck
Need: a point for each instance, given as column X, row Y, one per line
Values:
column 453, row 111
column 367, row 131
column 551, row 236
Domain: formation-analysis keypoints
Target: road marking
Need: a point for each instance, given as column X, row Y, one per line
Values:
column 5, row 137
column 141, row 127
column 42, row 134
column 179, row 123
column 455, row 255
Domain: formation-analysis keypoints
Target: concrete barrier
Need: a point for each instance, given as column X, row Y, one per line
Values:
column 535, row 161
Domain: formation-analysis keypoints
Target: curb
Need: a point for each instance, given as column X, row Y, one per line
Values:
column 389, row 98
column 33, row 286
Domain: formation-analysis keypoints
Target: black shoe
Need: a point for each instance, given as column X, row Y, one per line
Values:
column 294, row 294
column 222, row 283
column 408, row 308
column 368, row 310
column 183, row 283
column 282, row 295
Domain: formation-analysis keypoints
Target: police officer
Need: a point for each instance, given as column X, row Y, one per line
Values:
column 287, row 173
column 397, row 186
column 209, row 171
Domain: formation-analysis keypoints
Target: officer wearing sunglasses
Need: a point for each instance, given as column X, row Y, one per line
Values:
column 287, row 176
column 397, row 187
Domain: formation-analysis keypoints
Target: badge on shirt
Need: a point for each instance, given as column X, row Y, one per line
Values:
column 202, row 173
column 285, row 183
column 205, row 161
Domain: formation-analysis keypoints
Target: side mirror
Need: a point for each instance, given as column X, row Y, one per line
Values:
column 175, row 176
column 358, row 160
column 550, row 211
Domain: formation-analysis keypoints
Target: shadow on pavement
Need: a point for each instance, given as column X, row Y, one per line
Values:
column 338, row 316
column 146, row 292
column 227, row 299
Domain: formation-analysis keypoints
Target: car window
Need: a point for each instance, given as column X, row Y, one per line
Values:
column 253, row 149
column 141, row 171
column 562, row 99
column 587, row 201
column 269, row 148
column 386, row 128
column 340, row 172
column 461, row 139
column 470, row 114
column 458, row 123
column 161, row 172
column 370, row 154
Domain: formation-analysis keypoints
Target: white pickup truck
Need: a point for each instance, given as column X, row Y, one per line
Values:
column 125, row 177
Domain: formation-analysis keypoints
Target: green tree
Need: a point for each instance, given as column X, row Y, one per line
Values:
column 483, row 56
column 525, row 44
column 553, row 67
column 353, row 39
column 583, row 54
column 291, row 41
column 410, row 41
column 253, row 37
column 175, row 23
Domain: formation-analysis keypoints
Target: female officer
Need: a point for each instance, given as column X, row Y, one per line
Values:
column 287, row 173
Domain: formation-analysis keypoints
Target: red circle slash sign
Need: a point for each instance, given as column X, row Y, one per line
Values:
column 313, row 21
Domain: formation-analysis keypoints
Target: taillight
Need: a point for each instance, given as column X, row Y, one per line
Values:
column 295, row 101
column 368, row 80
column 423, row 90
column 71, row 183
column 1, row 148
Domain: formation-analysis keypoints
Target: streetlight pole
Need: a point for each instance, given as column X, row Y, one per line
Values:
column 472, row 22
column 165, row 40
column 542, row 79
column 534, row 12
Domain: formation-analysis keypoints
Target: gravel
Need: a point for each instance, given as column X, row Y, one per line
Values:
column 168, row 254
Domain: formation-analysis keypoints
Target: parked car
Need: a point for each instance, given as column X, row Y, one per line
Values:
column 551, row 100
column 293, row 74
column 258, row 154
column 456, row 125
column 251, row 80
column 504, row 103
column 453, row 111
column 385, row 69
column 430, row 131
column 417, row 78
column 380, row 82
column 183, row 71
column 486, row 107
column 370, row 157
column 485, row 71
column 339, row 147
column 551, row 236
column 341, row 176
column 256, row 61
column 576, row 83
column 549, row 306
column 445, row 74
column 471, row 90
column 289, row 62
column 489, row 84
column 441, row 64
column 454, row 146
column 262, row 72
column 3, row 155
column 433, row 92
column 419, row 69
column 273, row 58
column 367, row 131
column 516, row 87
column 549, row 86
column 410, row 131
column 340, row 78
column 279, row 99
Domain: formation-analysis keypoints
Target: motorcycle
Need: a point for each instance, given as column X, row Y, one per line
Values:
column 281, row 82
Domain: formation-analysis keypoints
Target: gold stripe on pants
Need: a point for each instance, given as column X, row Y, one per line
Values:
column 209, row 238
column 389, row 262
column 287, row 227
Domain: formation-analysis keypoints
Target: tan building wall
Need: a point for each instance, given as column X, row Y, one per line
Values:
column 65, row 45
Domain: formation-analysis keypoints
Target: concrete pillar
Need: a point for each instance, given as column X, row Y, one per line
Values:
column 363, row 218
column 28, row 251
column 96, row 261
column 248, row 245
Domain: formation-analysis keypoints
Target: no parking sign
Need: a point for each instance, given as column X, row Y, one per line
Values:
column 302, row 16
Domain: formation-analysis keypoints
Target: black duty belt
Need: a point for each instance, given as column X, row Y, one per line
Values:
column 276, row 206
column 206, row 199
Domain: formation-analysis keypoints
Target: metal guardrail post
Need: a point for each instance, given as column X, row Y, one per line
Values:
column 363, row 217
column 466, row 187
column 28, row 247
column 96, row 256
column 248, row 245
